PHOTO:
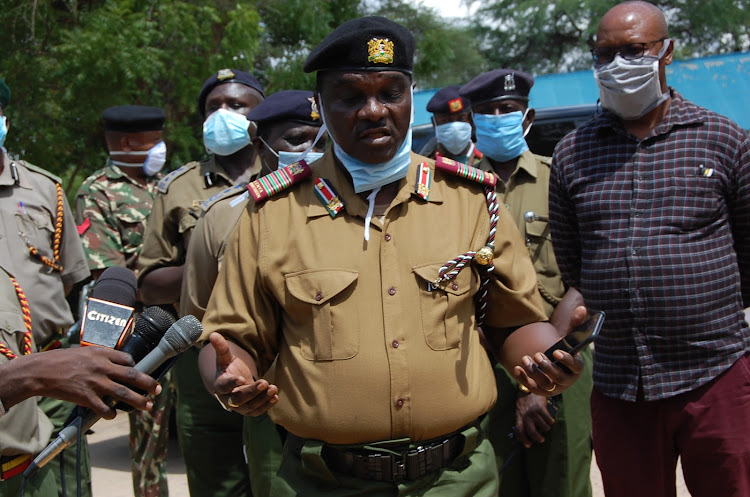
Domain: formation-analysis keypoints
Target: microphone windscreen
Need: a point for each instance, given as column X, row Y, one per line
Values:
column 152, row 324
column 116, row 284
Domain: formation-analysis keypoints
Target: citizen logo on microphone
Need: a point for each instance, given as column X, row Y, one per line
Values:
column 107, row 324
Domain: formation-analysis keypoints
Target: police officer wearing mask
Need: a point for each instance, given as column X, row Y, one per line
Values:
column 545, row 428
column 288, row 124
column 451, row 119
column 225, row 100
column 332, row 294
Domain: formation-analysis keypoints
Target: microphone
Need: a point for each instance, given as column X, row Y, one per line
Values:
column 108, row 317
column 150, row 327
column 178, row 338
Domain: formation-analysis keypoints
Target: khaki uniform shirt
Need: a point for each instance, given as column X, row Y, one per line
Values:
column 365, row 346
column 111, row 210
column 24, row 429
column 206, row 250
column 526, row 191
column 176, row 210
column 29, row 205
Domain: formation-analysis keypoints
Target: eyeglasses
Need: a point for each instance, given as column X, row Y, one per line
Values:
column 631, row 51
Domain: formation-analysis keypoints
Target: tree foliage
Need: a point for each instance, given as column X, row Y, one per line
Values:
column 544, row 37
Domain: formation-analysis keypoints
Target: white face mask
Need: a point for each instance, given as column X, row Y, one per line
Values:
column 156, row 157
column 631, row 88
column 454, row 136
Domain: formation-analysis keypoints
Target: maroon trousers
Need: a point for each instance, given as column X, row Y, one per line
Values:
column 637, row 443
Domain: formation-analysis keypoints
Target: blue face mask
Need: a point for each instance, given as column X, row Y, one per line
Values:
column 225, row 132
column 3, row 130
column 286, row 158
column 455, row 136
column 501, row 137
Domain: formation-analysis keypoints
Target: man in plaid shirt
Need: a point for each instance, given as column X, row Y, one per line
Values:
column 650, row 216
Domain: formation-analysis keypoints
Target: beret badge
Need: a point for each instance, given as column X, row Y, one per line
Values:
column 380, row 51
column 510, row 82
column 314, row 113
column 224, row 74
column 456, row 105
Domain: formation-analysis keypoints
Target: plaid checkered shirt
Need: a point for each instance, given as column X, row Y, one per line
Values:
column 656, row 232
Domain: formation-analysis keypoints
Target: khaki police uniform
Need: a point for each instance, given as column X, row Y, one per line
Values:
column 24, row 429
column 559, row 466
column 29, row 206
column 364, row 346
column 204, row 258
column 210, row 437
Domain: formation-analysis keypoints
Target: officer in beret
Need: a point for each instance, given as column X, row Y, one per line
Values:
column 40, row 248
column 288, row 124
column 224, row 102
column 451, row 120
column 546, row 428
column 368, row 353
column 111, row 208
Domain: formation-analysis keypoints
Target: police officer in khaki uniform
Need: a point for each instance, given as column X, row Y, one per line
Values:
column 550, row 453
column 225, row 100
column 24, row 429
column 83, row 375
column 287, row 125
column 40, row 246
column 369, row 352
column 451, row 120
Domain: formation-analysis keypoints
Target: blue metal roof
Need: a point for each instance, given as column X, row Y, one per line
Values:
column 720, row 83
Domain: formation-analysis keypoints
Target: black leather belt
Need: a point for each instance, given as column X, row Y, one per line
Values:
column 411, row 464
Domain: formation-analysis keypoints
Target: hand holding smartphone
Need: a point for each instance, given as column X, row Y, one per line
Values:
column 578, row 338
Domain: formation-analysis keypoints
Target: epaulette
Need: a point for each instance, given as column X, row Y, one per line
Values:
column 164, row 183
column 279, row 180
column 226, row 193
column 454, row 168
column 37, row 169
column 545, row 160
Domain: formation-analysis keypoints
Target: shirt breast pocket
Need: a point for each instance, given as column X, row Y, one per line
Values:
column 35, row 227
column 131, row 224
column 325, row 297
column 447, row 309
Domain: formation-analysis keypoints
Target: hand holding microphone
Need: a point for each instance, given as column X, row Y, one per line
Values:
column 178, row 338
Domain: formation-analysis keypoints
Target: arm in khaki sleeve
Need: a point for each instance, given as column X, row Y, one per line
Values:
column 515, row 327
column 160, row 271
column 241, row 321
column 201, row 270
column 72, row 257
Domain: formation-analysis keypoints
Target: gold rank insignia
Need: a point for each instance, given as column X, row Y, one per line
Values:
column 456, row 105
column 224, row 74
column 380, row 51
column 424, row 181
column 314, row 113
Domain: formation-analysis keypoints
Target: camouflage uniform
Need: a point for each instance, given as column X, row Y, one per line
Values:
column 111, row 213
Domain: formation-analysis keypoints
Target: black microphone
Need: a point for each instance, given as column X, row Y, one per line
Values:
column 150, row 327
column 178, row 338
column 108, row 318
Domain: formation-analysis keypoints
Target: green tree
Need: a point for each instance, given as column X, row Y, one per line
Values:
column 544, row 37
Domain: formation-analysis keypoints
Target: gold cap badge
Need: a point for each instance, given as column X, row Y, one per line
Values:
column 456, row 105
column 314, row 113
column 380, row 51
column 224, row 74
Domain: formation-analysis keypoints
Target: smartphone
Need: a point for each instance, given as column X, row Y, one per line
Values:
column 578, row 338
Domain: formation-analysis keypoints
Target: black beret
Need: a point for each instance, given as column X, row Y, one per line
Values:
column 4, row 93
column 366, row 44
column 226, row 76
column 287, row 105
column 133, row 118
column 448, row 101
column 499, row 84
